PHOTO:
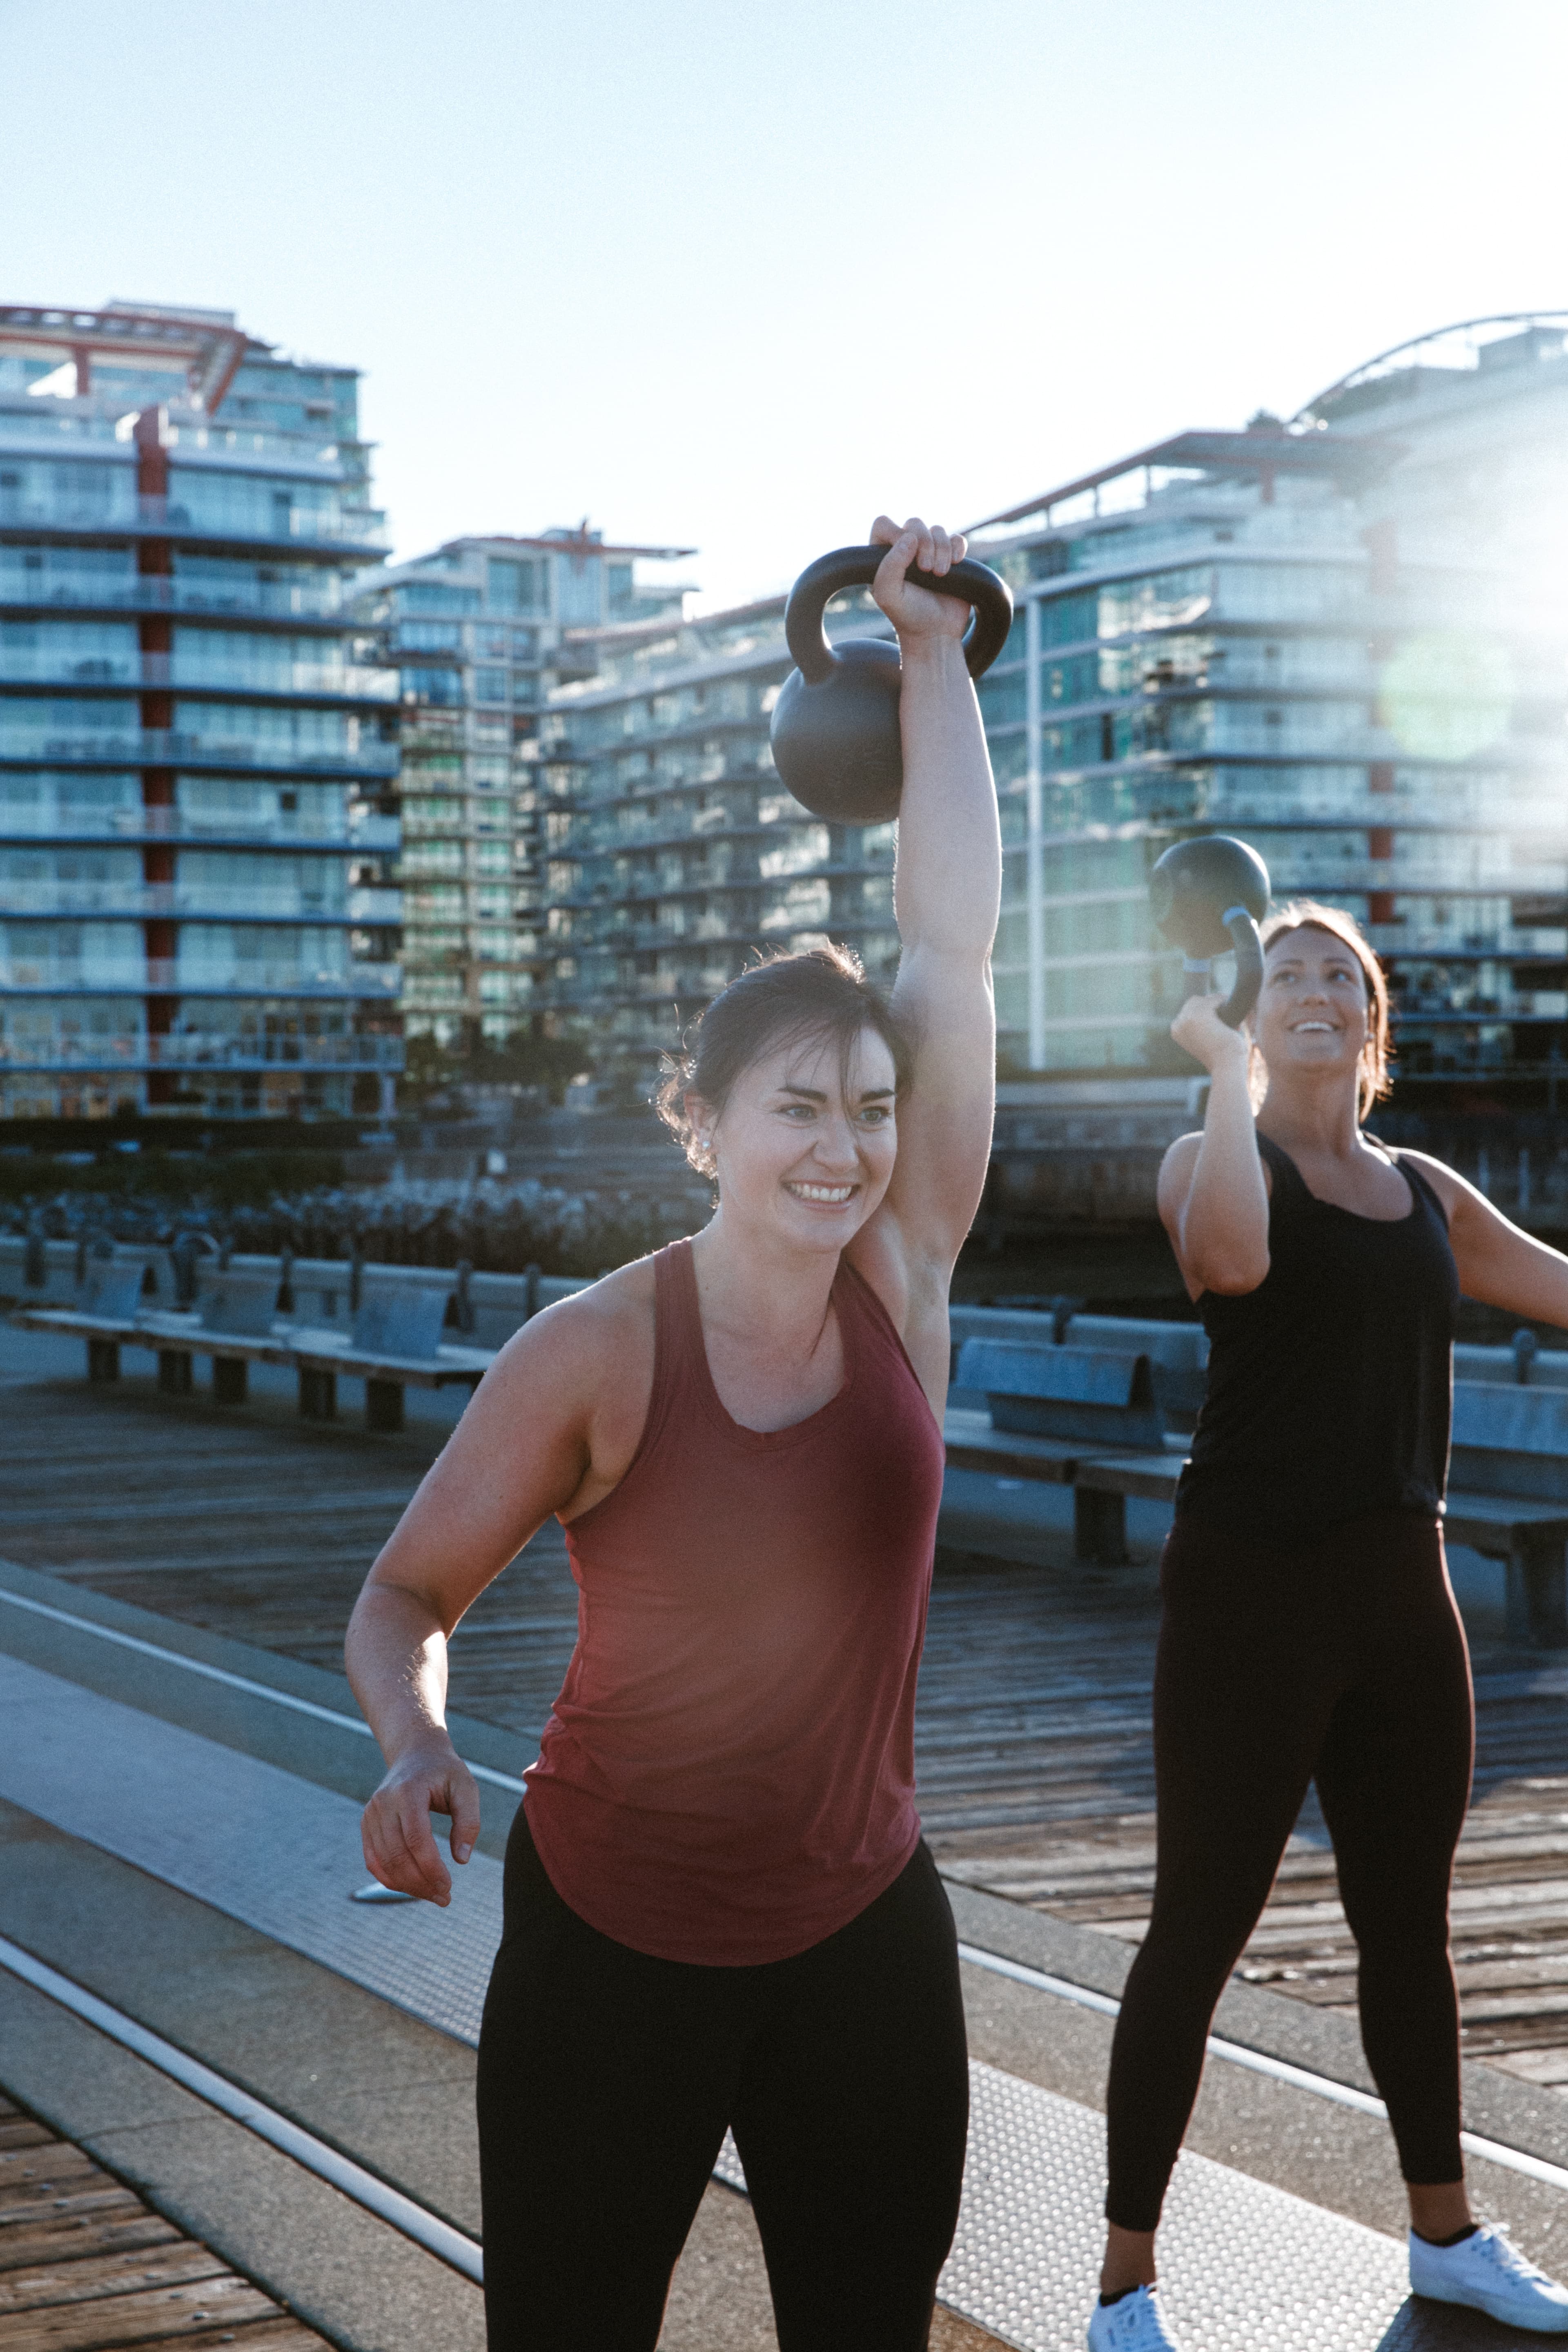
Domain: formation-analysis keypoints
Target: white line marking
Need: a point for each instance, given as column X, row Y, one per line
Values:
column 235, row 1682
column 388, row 2204
column 1279, row 2070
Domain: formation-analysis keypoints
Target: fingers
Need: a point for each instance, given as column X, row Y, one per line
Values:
column 399, row 1847
column 930, row 548
column 463, row 1804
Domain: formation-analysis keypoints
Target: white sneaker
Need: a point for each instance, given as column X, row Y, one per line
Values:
column 1134, row 2323
column 1488, row 2273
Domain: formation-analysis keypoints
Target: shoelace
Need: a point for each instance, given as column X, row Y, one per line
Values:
column 1498, row 2247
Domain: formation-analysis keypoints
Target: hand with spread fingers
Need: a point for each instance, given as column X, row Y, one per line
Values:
column 400, row 1849
column 913, row 610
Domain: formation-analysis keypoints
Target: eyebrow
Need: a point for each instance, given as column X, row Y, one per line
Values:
column 816, row 1095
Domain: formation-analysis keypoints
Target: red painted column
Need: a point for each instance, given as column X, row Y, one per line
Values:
column 154, row 561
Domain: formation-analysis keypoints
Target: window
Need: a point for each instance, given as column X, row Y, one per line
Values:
column 439, row 686
column 490, row 685
column 514, row 585
column 430, row 636
column 434, row 596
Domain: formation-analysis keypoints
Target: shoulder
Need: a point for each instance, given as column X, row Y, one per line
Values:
column 1451, row 1189
column 593, row 1336
column 1181, row 1157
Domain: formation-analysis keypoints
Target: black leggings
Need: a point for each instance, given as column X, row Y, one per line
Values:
column 607, row 2079
column 1343, row 1662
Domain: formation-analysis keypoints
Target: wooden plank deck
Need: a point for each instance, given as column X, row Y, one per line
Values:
column 87, row 2266
column 1032, row 1726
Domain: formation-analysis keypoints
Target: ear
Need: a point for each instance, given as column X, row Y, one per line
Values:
column 700, row 1119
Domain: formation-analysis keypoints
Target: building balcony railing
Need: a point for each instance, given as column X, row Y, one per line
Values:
column 198, row 1050
column 307, row 524
column 375, row 903
column 188, row 902
column 160, row 976
column 1408, row 942
column 318, row 681
column 167, row 748
column 314, row 597
column 342, row 837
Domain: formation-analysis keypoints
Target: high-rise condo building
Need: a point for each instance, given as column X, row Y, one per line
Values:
column 672, row 852
column 1345, row 638
column 481, row 631
column 197, row 831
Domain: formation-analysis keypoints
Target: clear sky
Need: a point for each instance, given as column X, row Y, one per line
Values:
column 736, row 275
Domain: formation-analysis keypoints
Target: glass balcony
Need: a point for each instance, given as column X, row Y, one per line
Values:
column 375, row 904
column 197, row 1049
column 166, row 977
column 337, row 681
column 194, row 902
column 315, row 598
column 306, row 522
column 115, row 505
column 160, row 976
column 141, row 824
column 157, row 748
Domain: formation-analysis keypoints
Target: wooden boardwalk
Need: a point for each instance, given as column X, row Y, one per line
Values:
column 85, row 2266
column 1033, row 1728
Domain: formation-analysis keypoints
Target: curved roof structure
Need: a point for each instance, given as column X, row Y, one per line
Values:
column 1459, row 348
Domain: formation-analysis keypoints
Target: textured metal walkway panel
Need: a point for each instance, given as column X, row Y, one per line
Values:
column 278, row 1852
column 1248, row 2268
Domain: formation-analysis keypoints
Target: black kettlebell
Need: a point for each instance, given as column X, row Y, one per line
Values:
column 1208, row 897
column 836, row 723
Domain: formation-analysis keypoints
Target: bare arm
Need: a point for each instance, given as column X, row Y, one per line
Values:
column 545, row 1431
column 1499, row 1263
column 1214, row 1193
column 946, row 896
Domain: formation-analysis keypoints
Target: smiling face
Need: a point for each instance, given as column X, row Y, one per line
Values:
column 805, row 1142
column 1314, row 1013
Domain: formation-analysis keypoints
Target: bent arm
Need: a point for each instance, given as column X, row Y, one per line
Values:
column 518, row 1453
column 1213, row 1195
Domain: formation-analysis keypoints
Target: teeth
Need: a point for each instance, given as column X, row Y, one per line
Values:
column 823, row 1192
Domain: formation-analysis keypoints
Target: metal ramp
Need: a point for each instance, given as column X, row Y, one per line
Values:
column 1247, row 2267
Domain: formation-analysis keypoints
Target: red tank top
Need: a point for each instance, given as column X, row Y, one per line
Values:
column 728, row 1774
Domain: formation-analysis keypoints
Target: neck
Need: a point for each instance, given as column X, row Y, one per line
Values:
column 757, row 1283
column 1302, row 1115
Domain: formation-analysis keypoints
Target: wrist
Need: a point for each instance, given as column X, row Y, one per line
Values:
column 426, row 1744
column 932, row 652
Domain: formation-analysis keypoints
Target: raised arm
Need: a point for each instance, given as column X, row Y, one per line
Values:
column 947, row 893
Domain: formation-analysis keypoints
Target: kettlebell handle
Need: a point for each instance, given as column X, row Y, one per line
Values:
column 1247, row 940
column 855, row 567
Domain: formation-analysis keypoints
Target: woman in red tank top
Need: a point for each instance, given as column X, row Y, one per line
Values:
column 720, row 1914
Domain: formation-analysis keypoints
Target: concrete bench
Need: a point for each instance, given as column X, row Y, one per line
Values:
column 1078, row 1401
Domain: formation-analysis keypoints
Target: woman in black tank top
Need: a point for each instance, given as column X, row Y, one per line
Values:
column 1308, row 1631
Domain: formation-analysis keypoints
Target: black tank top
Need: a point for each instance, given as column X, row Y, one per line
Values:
column 1329, row 1385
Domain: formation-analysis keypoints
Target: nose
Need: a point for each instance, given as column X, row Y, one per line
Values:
column 835, row 1146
